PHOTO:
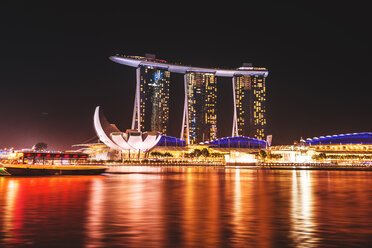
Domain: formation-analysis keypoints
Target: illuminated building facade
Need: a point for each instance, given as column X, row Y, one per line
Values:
column 154, row 99
column 250, row 106
column 200, row 112
column 199, row 122
column 342, row 149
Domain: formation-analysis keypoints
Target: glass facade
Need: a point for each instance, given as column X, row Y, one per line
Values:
column 154, row 99
column 250, row 97
column 202, row 103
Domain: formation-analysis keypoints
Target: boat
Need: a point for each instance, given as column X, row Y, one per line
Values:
column 49, row 163
column 44, row 170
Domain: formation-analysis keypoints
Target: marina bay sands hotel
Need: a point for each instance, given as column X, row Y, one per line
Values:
column 199, row 122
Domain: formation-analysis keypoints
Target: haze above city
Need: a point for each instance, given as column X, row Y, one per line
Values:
column 55, row 67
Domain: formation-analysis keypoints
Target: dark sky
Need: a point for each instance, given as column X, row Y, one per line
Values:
column 54, row 66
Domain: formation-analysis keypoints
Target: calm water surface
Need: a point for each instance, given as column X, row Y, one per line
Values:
column 188, row 207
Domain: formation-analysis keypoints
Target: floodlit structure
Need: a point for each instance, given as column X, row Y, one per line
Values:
column 169, row 141
column 238, row 149
column 239, row 142
column 199, row 121
column 341, row 149
column 249, row 106
column 342, row 139
column 111, row 136
column 151, row 104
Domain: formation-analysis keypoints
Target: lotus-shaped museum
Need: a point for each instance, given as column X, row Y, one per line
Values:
column 111, row 136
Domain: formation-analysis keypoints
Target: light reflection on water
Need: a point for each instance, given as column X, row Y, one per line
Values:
column 188, row 207
column 303, row 230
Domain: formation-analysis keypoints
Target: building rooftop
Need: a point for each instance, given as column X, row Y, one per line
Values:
column 136, row 61
column 350, row 138
column 237, row 142
column 167, row 141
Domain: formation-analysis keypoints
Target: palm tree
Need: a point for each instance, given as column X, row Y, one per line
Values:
column 40, row 146
column 262, row 154
column 205, row 152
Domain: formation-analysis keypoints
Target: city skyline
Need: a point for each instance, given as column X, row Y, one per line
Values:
column 185, row 124
column 55, row 66
column 199, row 119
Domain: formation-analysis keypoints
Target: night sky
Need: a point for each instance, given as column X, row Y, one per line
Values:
column 54, row 66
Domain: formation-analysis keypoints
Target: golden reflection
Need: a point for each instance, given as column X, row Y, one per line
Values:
column 202, row 208
column 188, row 207
column 237, row 195
column 303, row 228
column 134, row 212
column 9, row 189
column 94, row 223
column 264, row 205
column 190, row 220
column 36, row 209
column 238, row 215
column 241, row 213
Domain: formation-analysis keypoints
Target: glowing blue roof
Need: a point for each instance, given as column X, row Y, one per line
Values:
column 237, row 142
column 171, row 141
column 343, row 139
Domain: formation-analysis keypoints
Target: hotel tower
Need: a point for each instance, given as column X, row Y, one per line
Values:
column 249, row 106
column 153, row 99
column 200, row 117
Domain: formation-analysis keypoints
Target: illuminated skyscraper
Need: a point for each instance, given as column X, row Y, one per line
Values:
column 200, row 117
column 153, row 99
column 250, row 107
column 199, row 122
